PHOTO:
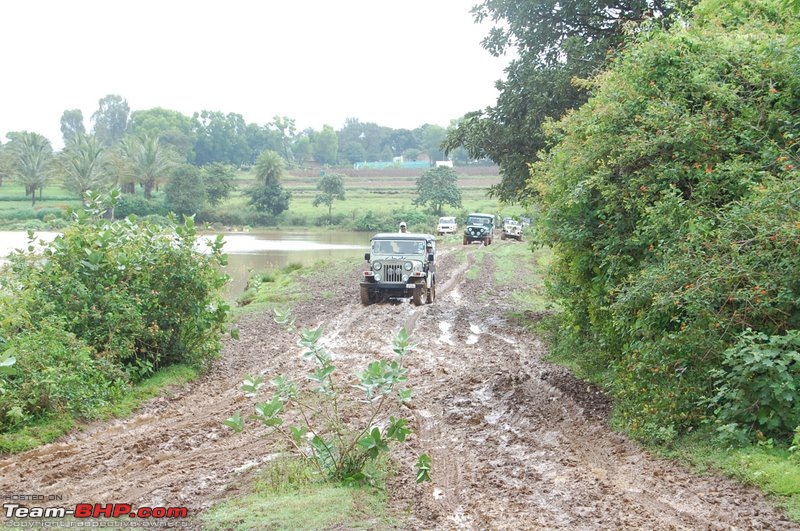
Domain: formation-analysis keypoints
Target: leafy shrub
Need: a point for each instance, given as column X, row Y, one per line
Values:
column 48, row 214
column 758, row 385
column 670, row 200
column 55, row 372
column 341, row 447
column 131, row 204
column 137, row 294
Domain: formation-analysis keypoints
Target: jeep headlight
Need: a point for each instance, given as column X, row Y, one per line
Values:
column 405, row 278
column 377, row 278
column 376, row 266
column 407, row 266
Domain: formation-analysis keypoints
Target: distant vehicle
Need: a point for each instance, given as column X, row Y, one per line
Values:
column 447, row 225
column 479, row 228
column 401, row 265
column 511, row 229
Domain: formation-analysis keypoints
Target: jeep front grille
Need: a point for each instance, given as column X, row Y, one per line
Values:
column 392, row 272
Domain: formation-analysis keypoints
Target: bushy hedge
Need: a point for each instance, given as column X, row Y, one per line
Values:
column 672, row 201
column 106, row 302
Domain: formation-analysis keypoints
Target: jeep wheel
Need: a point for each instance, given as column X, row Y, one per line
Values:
column 503, row 236
column 366, row 300
column 431, row 294
column 465, row 240
column 419, row 294
column 487, row 241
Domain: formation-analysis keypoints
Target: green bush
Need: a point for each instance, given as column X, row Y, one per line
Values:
column 48, row 214
column 55, row 372
column 758, row 384
column 135, row 205
column 670, row 201
column 138, row 294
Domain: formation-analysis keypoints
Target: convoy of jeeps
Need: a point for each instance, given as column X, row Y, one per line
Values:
column 401, row 265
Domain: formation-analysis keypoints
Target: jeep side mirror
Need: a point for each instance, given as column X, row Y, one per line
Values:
column 430, row 257
column 366, row 257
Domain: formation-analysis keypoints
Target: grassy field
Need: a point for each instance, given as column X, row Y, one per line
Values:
column 374, row 191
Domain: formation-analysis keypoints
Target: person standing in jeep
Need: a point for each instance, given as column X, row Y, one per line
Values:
column 403, row 227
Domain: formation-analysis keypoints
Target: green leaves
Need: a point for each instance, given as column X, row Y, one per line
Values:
column 381, row 377
column 757, row 386
column 423, row 467
column 373, row 443
column 235, row 422
column 397, row 429
column 251, row 385
column 267, row 412
column 340, row 446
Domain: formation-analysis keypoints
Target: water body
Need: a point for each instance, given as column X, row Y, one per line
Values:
column 260, row 251
column 250, row 252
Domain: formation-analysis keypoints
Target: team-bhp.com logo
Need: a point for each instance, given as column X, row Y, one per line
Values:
column 94, row 510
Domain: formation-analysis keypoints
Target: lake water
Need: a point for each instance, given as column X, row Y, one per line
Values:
column 253, row 251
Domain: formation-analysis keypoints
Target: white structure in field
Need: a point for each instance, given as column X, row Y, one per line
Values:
column 445, row 163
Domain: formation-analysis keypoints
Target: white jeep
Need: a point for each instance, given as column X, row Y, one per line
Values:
column 447, row 225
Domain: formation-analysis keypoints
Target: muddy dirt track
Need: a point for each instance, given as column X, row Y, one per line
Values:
column 516, row 443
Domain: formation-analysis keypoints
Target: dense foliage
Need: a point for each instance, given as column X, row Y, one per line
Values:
column 672, row 201
column 554, row 42
column 104, row 304
column 438, row 187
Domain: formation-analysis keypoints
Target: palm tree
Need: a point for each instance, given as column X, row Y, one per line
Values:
column 269, row 167
column 150, row 162
column 33, row 160
column 83, row 165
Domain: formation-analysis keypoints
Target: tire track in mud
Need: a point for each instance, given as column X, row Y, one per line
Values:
column 512, row 451
column 516, row 442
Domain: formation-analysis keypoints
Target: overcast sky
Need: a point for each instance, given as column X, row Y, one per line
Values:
column 399, row 64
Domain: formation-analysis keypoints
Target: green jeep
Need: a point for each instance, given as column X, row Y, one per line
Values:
column 479, row 228
column 401, row 265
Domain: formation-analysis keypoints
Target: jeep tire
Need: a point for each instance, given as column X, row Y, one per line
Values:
column 419, row 294
column 431, row 294
column 366, row 300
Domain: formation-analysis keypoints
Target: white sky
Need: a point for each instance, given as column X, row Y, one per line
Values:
column 399, row 64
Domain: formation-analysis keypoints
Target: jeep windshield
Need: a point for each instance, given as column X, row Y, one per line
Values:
column 479, row 220
column 398, row 247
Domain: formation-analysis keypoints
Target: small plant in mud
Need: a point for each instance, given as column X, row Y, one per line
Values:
column 342, row 440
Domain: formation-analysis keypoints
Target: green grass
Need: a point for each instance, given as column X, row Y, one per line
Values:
column 380, row 194
column 774, row 470
column 48, row 430
column 288, row 495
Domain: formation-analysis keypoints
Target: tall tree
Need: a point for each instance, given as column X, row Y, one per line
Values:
column 72, row 125
column 269, row 167
column 219, row 181
column 438, row 187
column 171, row 127
column 286, row 132
column 6, row 163
column 555, row 41
column 82, row 164
column 326, row 146
column 150, row 162
column 185, row 192
column 111, row 119
column 221, row 138
column 269, row 195
column 33, row 158
column 331, row 188
column 431, row 138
